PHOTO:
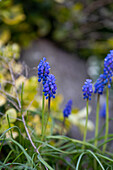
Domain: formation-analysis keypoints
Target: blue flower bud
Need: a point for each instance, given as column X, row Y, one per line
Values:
column 108, row 68
column 50, row 87
column 87, row 89
column 67, row 109
column 43, row 70
column 100, row 84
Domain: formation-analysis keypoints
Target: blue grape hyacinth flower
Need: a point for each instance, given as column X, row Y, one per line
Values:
column 87, row 89
column 100, row 84
column 67, row 109
column 108, row 68
column 43, row 70
column 50, row 87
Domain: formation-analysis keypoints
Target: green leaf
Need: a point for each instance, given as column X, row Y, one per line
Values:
column 79, row 159
column 73, row 141
column 96, row 159
column 7, row 158
column 44, row 163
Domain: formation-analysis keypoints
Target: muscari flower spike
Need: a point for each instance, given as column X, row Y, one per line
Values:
column 108, row 68
column 50, row 87
column 87, row 89
column 43, row 70
column 100, row 84
column 67, row 109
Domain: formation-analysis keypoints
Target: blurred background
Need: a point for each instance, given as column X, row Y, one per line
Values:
column 84, row 27
column 74, row 36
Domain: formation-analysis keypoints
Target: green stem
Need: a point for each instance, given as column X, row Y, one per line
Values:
column 49, row 101
column 17, row 157
column 107, row 118
column 63, row 126
column 43, row 102
column 85, row 132
column 97, row 119
column 9, row 126
column 97, row 125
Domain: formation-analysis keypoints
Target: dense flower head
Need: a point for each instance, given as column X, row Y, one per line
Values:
column 87, row 89
column 43, row 70
column 108, row 67
column 67, row 109
column 100, row 84
column 50, row 87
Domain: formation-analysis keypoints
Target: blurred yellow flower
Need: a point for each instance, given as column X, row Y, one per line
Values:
column 4, row 36
column 17, row 67
column 19, row 81
column 10, row 51
column 4, row 125
column 12, row 114
column 2, row 100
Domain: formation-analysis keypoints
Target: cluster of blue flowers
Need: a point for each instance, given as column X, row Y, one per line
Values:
column 108, row 68
column 50, row 87
column 99, row 85
column 43, row 70
column 103, row 80
column 108, row 64
column 87, row 89
column 48, row 81
column 67, row 109
column 106, row 77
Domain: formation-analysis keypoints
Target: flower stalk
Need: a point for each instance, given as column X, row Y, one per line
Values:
column 107, row 118
column 87, row 92
column 97, row 126
column 85, row 131
column 49, row 103
column 63, row 126
column 97, row 119
column 66, row 113
column 43, row 117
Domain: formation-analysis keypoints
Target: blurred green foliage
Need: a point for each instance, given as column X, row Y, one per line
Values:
column 84, row 27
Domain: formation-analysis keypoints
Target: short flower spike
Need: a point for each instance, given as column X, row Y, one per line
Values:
column 108, row 68
column 43, row 70
column 67, row 109
column 50, row 87
column 100, row 84
column 87, row 89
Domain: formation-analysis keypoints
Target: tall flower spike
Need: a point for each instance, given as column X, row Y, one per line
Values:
column 100, row 84
column 108, row 68
column 87, row 89
column 43, row 70
column 50, row 87
column 67, row 109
